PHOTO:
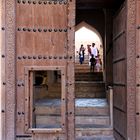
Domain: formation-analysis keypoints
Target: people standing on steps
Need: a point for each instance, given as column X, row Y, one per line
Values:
column 89, row 52
column 81, row 54
column 92, row 63
column 94, row 50
column 98, row 63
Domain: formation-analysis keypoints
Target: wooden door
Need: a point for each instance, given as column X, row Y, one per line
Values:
column 119, row 74
column 125, row 72
column 44, row 49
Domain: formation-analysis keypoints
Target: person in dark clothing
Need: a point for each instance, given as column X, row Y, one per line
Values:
column 92, row 63
column 81, row 54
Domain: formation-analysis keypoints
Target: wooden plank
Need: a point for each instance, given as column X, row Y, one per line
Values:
column 31, row 100
column 118, row 136
column 2, row 70
column 70, row 72
column 120, row 122
column 20, row 114
column 119, row 72
column 44, row 43
column 42, row 15
column 63, row 101
column 131, row 69
column 138, row 11
column 119, row 23
column 137, row 72
column 119, row 48
column 119, row 100
column 109, row 67
column 10, row 70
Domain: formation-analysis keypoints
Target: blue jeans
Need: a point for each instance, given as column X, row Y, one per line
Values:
column 81, row 60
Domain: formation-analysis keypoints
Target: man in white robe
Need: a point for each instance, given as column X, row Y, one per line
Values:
column 94, row 50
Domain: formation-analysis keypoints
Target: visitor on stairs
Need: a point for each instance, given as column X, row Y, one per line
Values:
column 94, row 50
column 98, row 63
column 92, row 63
column 81, row 54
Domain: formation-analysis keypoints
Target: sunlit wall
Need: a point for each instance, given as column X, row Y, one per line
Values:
column 87, row 36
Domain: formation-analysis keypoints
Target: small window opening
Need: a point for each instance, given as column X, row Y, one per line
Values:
column 45, row 103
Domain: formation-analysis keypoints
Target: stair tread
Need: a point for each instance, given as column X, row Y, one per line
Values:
column 85, row 102
column 82, row 126
column 90, row 82
column 95, row 138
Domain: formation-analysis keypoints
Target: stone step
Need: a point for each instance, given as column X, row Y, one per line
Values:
column 41, row 110
column 90, row 113
column 87, row 89
column 90, row 89
column 96, row 133
column 96, row 138
column 88, row 76
column 82, row 66
column 90, row 95
column 52, row 120
column 88, row 107
column 92, row 120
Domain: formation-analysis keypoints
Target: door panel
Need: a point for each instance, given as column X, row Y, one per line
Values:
column 42, row 15
column 119, row 73
column 44, row 49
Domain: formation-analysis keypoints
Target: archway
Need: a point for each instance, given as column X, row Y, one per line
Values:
column 86, row 34
column 89, row 84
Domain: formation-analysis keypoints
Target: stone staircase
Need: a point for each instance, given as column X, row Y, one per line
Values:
column 92, row 120
column 92, row 113
column 90, row 85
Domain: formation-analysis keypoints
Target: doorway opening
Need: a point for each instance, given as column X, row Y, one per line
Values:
column 89, row 84
column 93, row 89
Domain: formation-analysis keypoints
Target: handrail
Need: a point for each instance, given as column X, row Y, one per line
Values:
column 110, row 101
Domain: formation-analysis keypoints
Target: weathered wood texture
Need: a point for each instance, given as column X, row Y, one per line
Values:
column 120, row 96
column 2, row 69
column 131, row 69
column 109, row 48
column 138, row 71
column 70, row 72
column 45, row 37
column 119, row 73
column 10, row 70
column 117, row 136
column 120, row 124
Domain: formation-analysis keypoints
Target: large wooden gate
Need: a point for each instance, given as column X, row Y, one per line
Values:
column 44, row 48
column 124, row 72
column 44, row 42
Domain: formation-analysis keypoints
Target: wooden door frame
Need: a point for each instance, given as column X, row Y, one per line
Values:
column 137, row 70
column 131, row 69
column 8, row 78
